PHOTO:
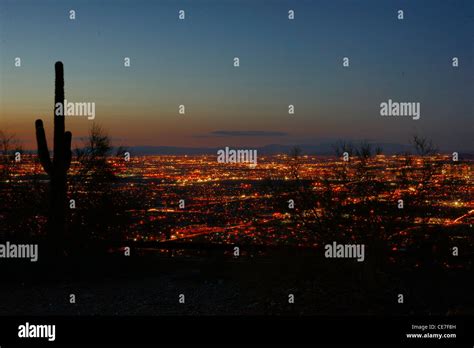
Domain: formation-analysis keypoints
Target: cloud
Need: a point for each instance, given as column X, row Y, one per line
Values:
column 86, row 137
column 248, row 133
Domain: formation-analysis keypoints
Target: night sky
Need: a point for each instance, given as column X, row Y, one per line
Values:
column 283, row 62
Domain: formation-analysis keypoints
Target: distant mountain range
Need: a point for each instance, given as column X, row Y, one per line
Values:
column 325, row 149
column 307, row 149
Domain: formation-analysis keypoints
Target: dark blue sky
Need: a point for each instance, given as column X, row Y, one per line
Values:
column 282, row 62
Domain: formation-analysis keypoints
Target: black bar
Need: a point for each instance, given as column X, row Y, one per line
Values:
column 240, row 330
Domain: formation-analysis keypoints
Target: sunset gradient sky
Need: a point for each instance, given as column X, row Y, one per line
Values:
column 282, row 62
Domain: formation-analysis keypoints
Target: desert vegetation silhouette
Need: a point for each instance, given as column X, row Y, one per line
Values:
column 57, row 167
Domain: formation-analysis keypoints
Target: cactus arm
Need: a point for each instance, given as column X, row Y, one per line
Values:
column 67, row 149
column 43, row 152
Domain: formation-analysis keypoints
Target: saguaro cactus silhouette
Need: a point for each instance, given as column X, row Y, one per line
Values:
column 59, row 165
